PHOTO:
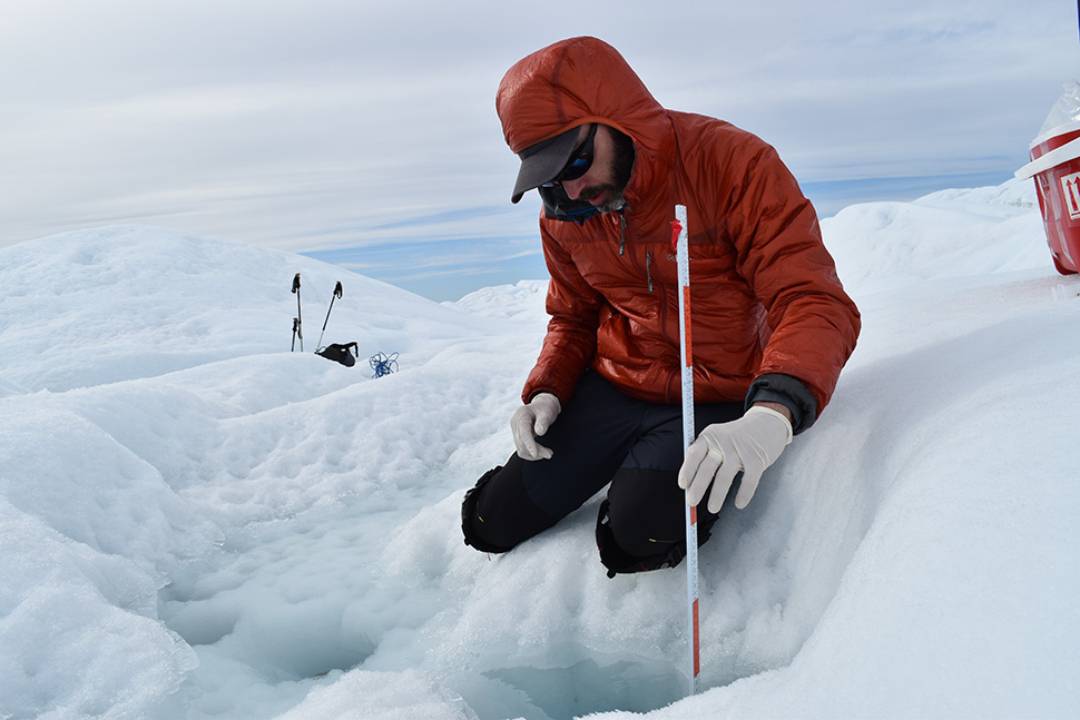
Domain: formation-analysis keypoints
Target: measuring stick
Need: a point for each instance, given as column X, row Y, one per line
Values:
column 682, row 255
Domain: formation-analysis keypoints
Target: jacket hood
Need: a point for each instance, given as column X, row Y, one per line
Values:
column 573, row 82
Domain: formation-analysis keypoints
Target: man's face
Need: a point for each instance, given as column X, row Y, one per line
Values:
column 603, row 185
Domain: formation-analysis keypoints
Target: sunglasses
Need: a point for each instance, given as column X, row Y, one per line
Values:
column 579, row 163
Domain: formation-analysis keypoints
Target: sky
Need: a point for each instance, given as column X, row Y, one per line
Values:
column 365, row 133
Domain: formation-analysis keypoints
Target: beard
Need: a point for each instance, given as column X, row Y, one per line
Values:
column 613, row 202
column 622, row 167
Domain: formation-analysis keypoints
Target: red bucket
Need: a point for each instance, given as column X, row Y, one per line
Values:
column 1055, row 165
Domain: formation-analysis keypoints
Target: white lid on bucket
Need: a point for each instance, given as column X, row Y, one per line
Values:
column 1071, row 126
column 1065, row 153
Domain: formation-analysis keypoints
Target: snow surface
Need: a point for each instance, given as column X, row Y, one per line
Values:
column 197, row 523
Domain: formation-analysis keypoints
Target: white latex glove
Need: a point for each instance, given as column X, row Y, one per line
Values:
column 750, row 444
column 533, row 420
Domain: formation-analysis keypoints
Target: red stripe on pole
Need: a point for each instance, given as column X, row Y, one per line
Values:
column 697, row 641
column 686, row 322
column 693, row 515
column 676, row 228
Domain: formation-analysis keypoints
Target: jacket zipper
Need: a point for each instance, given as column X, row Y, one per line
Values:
column 648, row 269
column 622, row 251
column 662, row 300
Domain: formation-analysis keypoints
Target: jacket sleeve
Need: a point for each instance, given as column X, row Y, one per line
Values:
column 813, row 324
column 570, row 343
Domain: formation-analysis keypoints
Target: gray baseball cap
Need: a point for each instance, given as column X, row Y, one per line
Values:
column 543, row 161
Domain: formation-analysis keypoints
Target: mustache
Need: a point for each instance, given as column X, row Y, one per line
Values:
column 594, row 190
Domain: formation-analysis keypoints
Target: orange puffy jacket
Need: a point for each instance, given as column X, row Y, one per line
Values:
column 771, row 320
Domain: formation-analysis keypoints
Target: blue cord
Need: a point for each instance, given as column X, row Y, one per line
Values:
column 383, row 364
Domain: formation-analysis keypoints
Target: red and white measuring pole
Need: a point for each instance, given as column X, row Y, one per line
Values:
column 682, row 256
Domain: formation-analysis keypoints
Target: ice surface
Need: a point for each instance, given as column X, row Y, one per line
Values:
column 953, row 233
column 197, row 523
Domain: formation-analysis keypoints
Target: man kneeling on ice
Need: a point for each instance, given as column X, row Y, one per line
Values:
column 772, row 326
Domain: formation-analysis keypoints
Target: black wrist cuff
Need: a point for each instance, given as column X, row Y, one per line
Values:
column 790, row 392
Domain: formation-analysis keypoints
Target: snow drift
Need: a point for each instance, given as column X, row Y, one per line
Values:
column 197, row 523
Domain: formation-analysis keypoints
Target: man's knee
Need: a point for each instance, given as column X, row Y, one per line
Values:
column 497, row 513
column 645, row 509
column 642, row 524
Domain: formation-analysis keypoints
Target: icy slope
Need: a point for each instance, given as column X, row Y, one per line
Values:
column 97, row 306
column 111, row 492
column 952, row 233
column 928, row 523
column 924, row 525
column 259, row 533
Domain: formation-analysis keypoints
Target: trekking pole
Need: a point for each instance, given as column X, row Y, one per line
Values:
column 337, row 294
column 679, row 239
column 298, row 321
column 295, row 326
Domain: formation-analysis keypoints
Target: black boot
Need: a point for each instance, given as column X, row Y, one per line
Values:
column 470, row 514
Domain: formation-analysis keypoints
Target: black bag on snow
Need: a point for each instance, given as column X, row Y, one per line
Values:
column 340, row 353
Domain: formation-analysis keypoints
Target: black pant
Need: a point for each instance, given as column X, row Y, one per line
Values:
column 601, row 436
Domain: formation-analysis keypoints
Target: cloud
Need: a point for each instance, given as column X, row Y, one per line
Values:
column 321, row 124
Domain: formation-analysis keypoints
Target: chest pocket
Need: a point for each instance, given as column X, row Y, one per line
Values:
column 712, row 256
column 711, row 259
